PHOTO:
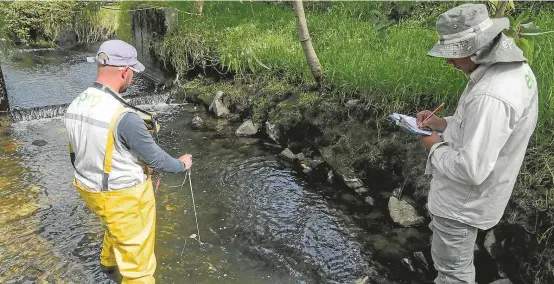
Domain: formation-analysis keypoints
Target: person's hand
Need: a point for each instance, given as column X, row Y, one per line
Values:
column 187, row 160
column 434, row 122
column 429, row 141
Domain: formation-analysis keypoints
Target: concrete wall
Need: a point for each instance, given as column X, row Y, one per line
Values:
column 146, row 27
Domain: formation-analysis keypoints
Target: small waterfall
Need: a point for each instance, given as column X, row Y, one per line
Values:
column 26, row 114
column 26, row 50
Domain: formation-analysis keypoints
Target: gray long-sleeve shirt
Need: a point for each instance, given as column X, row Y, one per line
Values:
column 132, row 133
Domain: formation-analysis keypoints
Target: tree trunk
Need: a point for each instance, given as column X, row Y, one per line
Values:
column 4, row 106
column 309, row 52
column 199, row 7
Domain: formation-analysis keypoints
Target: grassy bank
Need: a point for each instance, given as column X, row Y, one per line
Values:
column 387, row 69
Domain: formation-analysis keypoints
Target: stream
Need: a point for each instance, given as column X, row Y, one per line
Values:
column 259, row 220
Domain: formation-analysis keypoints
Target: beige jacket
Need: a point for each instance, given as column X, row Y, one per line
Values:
column 475, row 168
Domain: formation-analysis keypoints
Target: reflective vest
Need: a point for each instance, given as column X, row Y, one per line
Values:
column 102, row 162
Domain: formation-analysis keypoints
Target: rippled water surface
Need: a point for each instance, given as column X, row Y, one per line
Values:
column 259, row 222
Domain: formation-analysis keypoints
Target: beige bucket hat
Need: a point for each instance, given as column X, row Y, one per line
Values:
column 464, row 30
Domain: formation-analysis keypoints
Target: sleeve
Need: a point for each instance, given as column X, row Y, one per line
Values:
column 489, row 123
column 447, row 118
column 133, row 134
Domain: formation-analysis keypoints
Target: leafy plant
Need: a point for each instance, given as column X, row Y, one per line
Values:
column 523, row 31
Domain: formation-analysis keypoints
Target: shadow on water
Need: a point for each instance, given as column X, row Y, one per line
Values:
column 259, row 221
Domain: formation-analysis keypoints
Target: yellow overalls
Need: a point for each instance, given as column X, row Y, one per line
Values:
column 129, row 217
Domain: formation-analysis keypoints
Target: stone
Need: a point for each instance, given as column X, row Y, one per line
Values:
column 307, row 170
column 408, row 264
column 287, row 155
column 273, row 146
column 421, row 258
column 295, row 147
column 330, row 176
column 352, row 182
column 197, row 122
column 352, row 103
column 403, row 213
column 248, row 128
column 233, row 117
column 397, row 193
column 301, row 156
column 39, row 143
column 370, row 200
column 217, row 106
column 348, row 198
column 502, row 281
column 361, row 190
column 490, row 244
column 363, row 280
column 273, row 132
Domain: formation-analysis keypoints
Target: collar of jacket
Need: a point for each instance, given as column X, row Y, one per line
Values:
column 476, row 75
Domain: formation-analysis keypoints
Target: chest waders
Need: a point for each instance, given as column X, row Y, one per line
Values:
column 128, row 215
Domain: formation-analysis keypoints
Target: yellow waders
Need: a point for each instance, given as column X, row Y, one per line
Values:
column 129, row 217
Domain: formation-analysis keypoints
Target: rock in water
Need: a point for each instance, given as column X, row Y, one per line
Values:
column 233, row 117
column 502, row 281
column 217, row 106
column 248, row 128
column 39, row 143
column 421, row 258
column 363, row 280
column 273, row 132
column 369, row 200
column 197, row 122
column 403, row 213
column 352, row 182
column 288, row 155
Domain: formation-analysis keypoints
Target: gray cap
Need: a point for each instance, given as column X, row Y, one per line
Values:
column 464, row 30
column 117, row 53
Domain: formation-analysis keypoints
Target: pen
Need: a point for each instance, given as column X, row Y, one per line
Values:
column 435, row 111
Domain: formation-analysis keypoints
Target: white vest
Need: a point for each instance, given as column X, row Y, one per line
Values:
column 88, row 121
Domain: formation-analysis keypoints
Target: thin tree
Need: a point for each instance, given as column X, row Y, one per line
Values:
column 305, row 40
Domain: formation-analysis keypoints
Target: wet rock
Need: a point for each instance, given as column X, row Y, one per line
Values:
column 490, row 244
column 273, row 132
column 403, row 213
column 352, row 103
column 408, row 264
column 287, row 155
column 348, row 198
column 197, row 122
column 39, row 143
column 307, row 170
column 217, row 106
column 502, row 281
column 301, row 156
column 361, row 190
column 369, row 200
column 352, row 182
column 363, row 280
column 330, row 177
column 248, row 128
column 273, row 146
column 233, row 117
column 421, row 258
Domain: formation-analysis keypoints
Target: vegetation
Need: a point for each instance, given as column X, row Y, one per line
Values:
column 374, row 52
column 42, row 23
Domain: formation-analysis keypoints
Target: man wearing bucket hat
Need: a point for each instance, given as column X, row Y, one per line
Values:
column 113, row 154
column 476, row 163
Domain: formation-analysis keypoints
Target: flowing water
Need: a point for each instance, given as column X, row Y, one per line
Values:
column 259, row 221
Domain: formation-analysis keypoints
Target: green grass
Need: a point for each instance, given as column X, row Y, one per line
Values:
column 390, row 71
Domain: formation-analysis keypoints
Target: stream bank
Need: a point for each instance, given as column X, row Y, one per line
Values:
column 372, row 167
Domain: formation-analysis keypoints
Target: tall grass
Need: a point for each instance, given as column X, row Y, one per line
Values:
column 390, row 71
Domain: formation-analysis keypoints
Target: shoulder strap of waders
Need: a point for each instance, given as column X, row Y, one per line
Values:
column 110, row 146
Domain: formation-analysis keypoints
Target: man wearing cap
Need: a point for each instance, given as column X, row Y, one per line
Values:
column 476, row 163
column 113, row 153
